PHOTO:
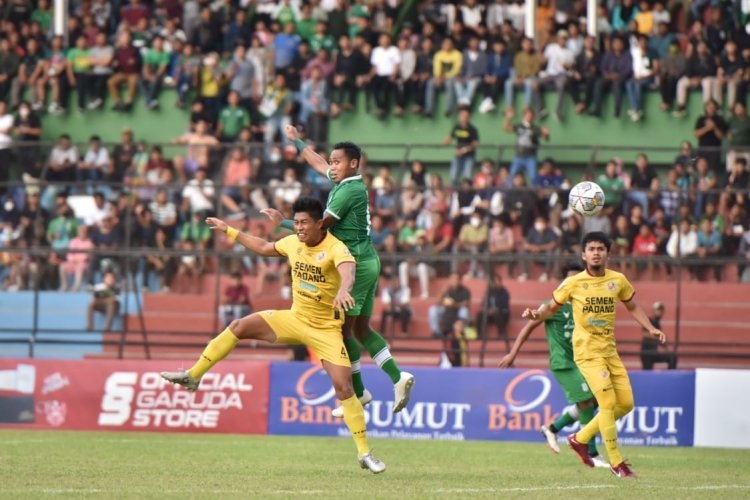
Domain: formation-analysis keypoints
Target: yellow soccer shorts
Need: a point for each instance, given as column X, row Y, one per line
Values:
column 606, row 374
column 327, row 343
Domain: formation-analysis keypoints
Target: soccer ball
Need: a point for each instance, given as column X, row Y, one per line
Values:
column 586, row 198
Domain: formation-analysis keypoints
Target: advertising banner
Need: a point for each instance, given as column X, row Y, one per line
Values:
column 507, row 405
column 130, row 395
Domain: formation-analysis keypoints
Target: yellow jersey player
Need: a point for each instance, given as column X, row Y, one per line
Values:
column 593, row 294
column 323, row 273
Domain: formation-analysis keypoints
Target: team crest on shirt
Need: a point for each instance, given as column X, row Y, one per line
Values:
column 321, row 257
column 585, row 286
column 611, row 286
column 604, row 374
column 299, row 250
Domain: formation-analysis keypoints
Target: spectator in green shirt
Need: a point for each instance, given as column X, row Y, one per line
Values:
column 196, row 231
column 322, row 40
column 79, row 59
column 613, row 187
column 232, row 119
column 738, row 136
column 306, row 24
column 154, row 69
column 42, row 15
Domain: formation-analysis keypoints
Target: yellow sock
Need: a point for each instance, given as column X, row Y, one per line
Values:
column 354, row 417
column 589, row 430
column 609, row 435
column 215, row 351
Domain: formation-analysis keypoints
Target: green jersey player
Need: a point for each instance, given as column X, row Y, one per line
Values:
column 559, row 329
column 347, row 215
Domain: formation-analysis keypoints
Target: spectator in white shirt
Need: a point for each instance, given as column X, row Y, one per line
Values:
column 683, row 242
column 6, row 125
column 96, row 162
column 200, row 192
column 165, row 212
column 575, row 39
column 559, row 60
column 385, row 60
column 101, row 210
column 644, row 62
column 396, row 300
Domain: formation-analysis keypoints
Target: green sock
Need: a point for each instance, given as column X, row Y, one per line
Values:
column 352, row 348
column 379, row 352
column 587, row 414
column 563, row 420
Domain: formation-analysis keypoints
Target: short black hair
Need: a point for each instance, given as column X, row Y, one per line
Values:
column 598, row 237
column 310, row 206
column 351, row 150
column 572, row 266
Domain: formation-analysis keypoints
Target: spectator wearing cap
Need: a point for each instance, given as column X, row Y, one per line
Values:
column 560, row 60
column 652, row 351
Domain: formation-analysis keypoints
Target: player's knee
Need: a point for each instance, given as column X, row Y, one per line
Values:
column 343, row 388
column 237, row 329
column 589, row 403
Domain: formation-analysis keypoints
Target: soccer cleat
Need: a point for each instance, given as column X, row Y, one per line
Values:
column 338, row 412
column 402, row 390
column 373, row 463
column 182, row 378
column 622, row 470
column 551, row 438
column 581, row 449
column 600, row 462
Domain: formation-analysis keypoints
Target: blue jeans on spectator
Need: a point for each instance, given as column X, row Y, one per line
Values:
column 462, row 165
column 634, row 89
column 184, row 86
column 527, row 163
column 639, row 197
column 510, row 88
column 465, row 90
column 276, row 124
column 429, row 96
column 150, row 90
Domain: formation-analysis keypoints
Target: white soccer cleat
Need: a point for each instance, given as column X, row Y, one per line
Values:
column 373, row 463
column 402, row 390
column 338, row 412
column 182, row 378
column 600, row 462
column 551, row 438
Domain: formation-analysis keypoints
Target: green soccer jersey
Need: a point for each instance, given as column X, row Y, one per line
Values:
column 559, row 329
column 349, row 204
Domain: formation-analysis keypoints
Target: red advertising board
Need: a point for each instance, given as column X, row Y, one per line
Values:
column 130, row 395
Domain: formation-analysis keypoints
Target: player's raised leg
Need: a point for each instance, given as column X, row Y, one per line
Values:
column 354, row 415
column 249, row 327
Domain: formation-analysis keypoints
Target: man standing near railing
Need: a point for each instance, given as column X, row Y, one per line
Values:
column 348, row 215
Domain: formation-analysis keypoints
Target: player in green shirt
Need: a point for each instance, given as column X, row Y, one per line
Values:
column 347, row 215
column 559, row 330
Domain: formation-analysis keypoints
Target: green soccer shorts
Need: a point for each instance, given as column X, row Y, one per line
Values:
column 573, row 384
column 365, row 287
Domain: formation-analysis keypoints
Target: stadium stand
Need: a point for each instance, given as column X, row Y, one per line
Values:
column 120, row 137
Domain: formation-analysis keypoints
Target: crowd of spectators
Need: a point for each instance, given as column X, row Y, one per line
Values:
column 245, row 70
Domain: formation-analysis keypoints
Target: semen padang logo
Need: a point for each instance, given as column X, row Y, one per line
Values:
column 534, row 383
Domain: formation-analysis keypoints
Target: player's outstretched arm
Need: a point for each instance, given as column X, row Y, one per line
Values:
column 524, row 334
column 343, row 299
column 640, row 316
column 543, row 313
column 252, row 243
column 313, row 159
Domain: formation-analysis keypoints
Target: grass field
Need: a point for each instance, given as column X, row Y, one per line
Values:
column 137, row 465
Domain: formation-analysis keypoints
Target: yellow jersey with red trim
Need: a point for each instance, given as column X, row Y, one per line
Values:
column 594, row 300
column 315, row 279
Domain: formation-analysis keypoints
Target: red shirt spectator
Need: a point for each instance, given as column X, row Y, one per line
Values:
column 645, row 242
column 133, row 13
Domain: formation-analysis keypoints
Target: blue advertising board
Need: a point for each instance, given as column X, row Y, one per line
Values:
column 482, row 404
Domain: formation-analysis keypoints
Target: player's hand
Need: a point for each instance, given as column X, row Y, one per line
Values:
column 530, row 314
column 343, row 301
column 217, row 224
column 658, row 334
column 507, row 361
column 274, row 215
column 291, row 132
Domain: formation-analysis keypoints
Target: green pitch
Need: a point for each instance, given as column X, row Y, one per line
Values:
column 134, row 465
